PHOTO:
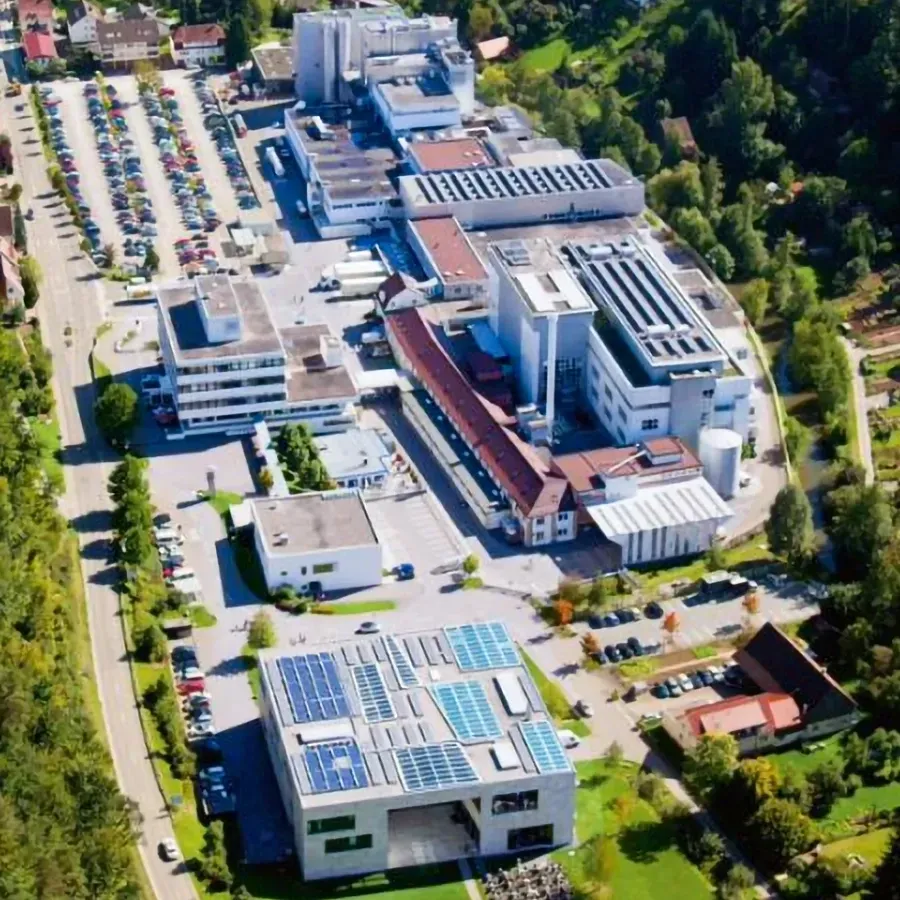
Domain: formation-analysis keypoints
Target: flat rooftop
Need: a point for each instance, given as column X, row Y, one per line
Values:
column 646, row 302
column 542, row 276
column 353, row 454
column 450, row 251
column 309, row 523
column 392, row 715
column 457, row 153
column 423, row 92
column 514, row 182
column 308, row 377
column 180, row 303
column 274, row 63
column 349, row 164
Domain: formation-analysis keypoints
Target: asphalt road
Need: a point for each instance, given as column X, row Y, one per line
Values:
column 71, row 295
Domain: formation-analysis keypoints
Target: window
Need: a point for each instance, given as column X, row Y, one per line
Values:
column 323, row 568
column 709, row 392
column 607, row 412
column 337, row 823
column 594, row 394
column 649, row 424
column 342, row 844
column 536, row 836
column 607, row 391
column 621, row 413
column 284, row 574
column 524, row 801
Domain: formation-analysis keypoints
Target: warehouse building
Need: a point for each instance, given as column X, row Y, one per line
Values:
column 397, row 751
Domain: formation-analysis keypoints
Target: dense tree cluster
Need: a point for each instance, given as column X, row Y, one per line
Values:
column 300, row 460
column 65, row 831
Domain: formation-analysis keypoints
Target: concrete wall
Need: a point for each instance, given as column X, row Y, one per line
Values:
column 354, row 567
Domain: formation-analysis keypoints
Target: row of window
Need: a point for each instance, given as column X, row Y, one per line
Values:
column 343, row 844
column 317, row 569
column 335, row 823
column 522, row 801
column 231, row 401
column 199, row 387
column 235, row 366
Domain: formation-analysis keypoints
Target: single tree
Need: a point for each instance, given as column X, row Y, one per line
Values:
column 213, row 856
column 755, row 300
column 597, row 594
column 563, row 612
column 670, row 625
column 780, row 830
column 789, row 528
column 238, row 41
column 710, row 764
column 262, row 631
column 887, row 876
column 117, row 411
column 737, row 883
column 266, row 479
column 471, row 564
column 14, row 192
column 589, row 644
column 31, row 276
column 151, row 259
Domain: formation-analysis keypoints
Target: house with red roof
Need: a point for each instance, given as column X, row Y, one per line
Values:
column 198, row 45
column 793, row 700
column 36, row 14
column 39, row 47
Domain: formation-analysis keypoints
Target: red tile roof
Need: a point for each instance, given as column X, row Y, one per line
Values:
column 198, row 35
column 775, row 712
column 512, row 463
column 36, row 9
column 450, row 251
column 585, row 470
column 7, row 228
column 38, row 45
column 459, row 153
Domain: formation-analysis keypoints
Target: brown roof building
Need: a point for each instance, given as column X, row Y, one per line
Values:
column 798, row 701
column 127, row 41
column 444, row 156
column 35, row 14
column 446, row 254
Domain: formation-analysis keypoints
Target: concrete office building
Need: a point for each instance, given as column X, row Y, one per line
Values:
column 322, row 537
column 230, row 366
column 330, row 47
column 510, row 195
column 655, row 366
column 355, row 459
column 396, row 751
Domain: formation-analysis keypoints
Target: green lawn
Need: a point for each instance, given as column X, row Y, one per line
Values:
column 201, row 616
column 554, row 699
column 222, row 501
column 645, row 862
column 353, row 609
column 871, row 847
column 427, row 882
column 548, row 56
column 46, row 433
column 639, row 668
column 251, row 665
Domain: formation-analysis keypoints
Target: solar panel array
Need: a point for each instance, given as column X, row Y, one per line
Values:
column 512, row 182
column 335, row 766
column 468, row 712
column 483, row 645
column 373, row 693
column 431, row 767
column 544, row 747
column 655, row 311
column 314, row 688
column 400, row 663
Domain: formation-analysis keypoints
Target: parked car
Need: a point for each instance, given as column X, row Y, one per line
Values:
column 661, row 691
column 568, row 739
column 599, row 657
column 168, row 850
column 653, row 610
column 368, row 628
column 624, row 650
column 685, row 683
column 610, row 620
column 405, row 572
column 635, row 646
column 612, row 654
column 583, row 709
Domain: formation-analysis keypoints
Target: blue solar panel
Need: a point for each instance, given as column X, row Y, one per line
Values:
column 373, row 694
column 430, row 767
column 483, row 645
column 403, row 668
column 313, row 687
column 468, row 712
column 544, row 746
column 335, row 766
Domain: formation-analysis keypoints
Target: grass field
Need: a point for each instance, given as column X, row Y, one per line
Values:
column 645, row 861
column 555, row 699
column 871, row 847
column 222, row 501
column 353, row 609
column 46, row 433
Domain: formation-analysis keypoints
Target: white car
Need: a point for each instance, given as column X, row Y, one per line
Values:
column 168, row 850
column 179, row 575
column 636, row 612
column 568, row 739
column 191, row 673
column 685, row 683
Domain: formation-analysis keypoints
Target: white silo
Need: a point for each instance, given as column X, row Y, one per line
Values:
column 720, row 453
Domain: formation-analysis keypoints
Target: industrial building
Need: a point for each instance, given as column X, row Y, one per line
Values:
column 230, row 366
column 355, row 459
column 321, row 539
column 403, row 750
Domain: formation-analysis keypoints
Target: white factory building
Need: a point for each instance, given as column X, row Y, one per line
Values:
column 230, row 366
column 322, row 541
column 402, row 750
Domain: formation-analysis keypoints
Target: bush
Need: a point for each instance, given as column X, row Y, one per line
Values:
column 117, row 411
column 262, row 632
column 150, row 644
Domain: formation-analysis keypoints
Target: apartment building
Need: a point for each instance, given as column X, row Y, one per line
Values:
column 126, row 41
column 198, row 45
column 402, row 750
column 230, row 366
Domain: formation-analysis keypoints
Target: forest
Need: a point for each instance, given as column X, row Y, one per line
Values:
column 65, row 830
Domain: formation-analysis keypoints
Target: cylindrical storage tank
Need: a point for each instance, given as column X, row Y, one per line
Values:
column 720, row 453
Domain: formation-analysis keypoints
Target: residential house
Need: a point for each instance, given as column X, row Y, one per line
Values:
column 198, row 45
column 797, row 701
column 494, row 49
column 82, row 19
column 139, row 12
column 39, row 48
column 11, row 289
column 36, row 15
column 125, row 42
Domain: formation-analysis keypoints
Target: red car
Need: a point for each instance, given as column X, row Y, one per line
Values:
column 195, row 686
